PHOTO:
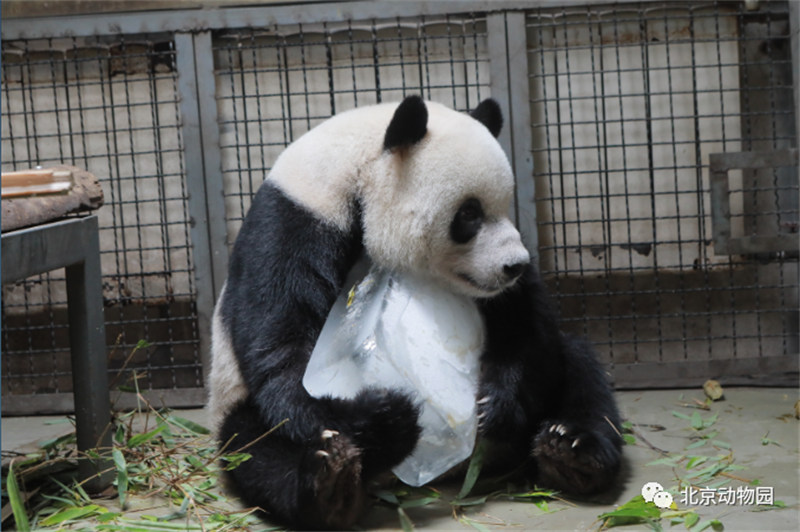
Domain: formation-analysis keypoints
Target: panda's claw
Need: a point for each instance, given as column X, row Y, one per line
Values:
column 322, row 454
column 576, row 442
column 483, row 400
column 327, row 434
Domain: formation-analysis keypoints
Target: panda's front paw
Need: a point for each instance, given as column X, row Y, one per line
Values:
column 385, row 425
column 574, row 459
column 338, row 488
column 499, row 415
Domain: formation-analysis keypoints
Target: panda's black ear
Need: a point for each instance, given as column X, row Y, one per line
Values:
column 409, row 124
column 489, row 114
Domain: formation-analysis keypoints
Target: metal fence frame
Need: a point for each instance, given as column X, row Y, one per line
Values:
column 192, row 33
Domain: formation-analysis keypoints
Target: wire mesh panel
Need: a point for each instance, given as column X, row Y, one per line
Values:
column 276, row 83
column 628, row 103
column 109, row 106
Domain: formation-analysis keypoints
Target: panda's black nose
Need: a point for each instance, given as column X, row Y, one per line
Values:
column 512, row 271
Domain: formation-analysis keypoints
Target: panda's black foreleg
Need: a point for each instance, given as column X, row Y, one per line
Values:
column 313, row 484
column 383, row 424
column 545, row 394
column 311, row 471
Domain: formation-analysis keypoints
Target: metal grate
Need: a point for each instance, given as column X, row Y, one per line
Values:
column 110, row 106
column 628, row 103
column 275, row 84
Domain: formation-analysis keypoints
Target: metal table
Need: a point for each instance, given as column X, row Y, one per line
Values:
column 73, row 244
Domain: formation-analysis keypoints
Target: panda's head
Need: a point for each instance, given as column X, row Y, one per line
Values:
column 437, row 200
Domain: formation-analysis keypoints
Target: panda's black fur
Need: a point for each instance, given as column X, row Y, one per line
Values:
column 542, row 395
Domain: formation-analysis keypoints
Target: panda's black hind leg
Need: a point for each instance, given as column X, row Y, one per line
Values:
column 579, row 448
column 309, row 485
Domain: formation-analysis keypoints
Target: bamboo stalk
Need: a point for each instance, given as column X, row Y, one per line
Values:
column 35, row 182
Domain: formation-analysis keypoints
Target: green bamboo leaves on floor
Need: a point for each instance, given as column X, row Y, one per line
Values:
column 175, row 462
column 705, row 461
column 404, row 497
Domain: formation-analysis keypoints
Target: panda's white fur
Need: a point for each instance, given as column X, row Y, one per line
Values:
column 407, row 204
column 408, row 201
column 225, row 384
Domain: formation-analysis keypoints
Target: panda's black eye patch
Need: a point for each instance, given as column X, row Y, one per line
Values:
column 467, row 221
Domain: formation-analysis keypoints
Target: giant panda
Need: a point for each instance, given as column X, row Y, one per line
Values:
column 418, row 188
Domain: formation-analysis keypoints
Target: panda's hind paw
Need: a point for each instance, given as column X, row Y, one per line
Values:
column 574, row 459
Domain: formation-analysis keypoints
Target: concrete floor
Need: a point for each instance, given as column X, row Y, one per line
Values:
column 758, row 423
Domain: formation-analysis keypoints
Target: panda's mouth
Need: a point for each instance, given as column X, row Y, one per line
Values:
column 485, row 290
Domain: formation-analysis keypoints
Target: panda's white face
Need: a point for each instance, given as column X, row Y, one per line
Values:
column 434, row 203
column 485, row 255
column 442, row 208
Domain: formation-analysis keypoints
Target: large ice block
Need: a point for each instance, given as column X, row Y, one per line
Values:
column 411, row 333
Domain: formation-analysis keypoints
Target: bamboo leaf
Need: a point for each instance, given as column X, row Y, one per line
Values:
column 234, row 460
column 387, row 496
column 188, row 425
column 535, row 494
column 668, row 460
column 635, row 511
column 122, row 475
column 147, row 525
column 690, row 520
column 414, row 503
column 142, row 344
column 715, row 524
column 60, row 441
column 542, row 505
column 696, row 460
column 73, row 513
column 15, row 498
column 474, row 524
column 473, row 471
column 138, row 439
column 405, row 521
column 470, row 501
column 196, row 463
column 695, row 445
column 108, row 516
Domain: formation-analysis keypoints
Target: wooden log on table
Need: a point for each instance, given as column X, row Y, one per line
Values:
column 84, row 194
